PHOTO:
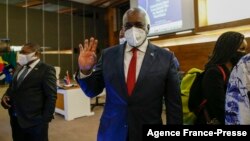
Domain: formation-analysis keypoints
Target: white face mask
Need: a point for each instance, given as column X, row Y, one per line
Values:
column 24, row 59
column 122, row 40
column 135, row 36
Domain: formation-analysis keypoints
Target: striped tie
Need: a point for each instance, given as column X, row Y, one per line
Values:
column 22, row 75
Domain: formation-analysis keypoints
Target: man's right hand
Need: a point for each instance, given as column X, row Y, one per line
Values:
column 87, row 57
column 5, row 102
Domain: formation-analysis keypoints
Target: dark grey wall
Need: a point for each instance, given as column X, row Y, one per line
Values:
column 55, row 31
column 17, row 30
column 2, row 21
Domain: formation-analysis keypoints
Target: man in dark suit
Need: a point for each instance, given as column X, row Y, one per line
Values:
column 137, row 76
column 31, row 96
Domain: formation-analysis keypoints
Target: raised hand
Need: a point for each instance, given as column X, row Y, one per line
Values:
column 87, row 57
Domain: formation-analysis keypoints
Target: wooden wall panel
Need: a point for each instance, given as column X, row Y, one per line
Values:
column 111, row 15
column 194, row 55
column 60, row 101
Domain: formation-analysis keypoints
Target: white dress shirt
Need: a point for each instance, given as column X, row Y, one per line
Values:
column 140, row 56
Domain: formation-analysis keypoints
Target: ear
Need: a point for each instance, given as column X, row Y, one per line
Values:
column 148, row 27
column 37, row 54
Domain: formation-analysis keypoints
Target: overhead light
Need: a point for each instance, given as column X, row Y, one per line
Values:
column 66, row 10
column 184, row 32
column 31, row 3
column 16, row 48
column 242, row 29
column 153, row 37
column 58, row 52
column 201, row 37
column 45, row 48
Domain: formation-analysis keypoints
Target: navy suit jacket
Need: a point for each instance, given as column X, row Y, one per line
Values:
column 124, row 115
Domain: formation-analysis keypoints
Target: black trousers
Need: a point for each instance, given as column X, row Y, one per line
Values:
column 35, row 133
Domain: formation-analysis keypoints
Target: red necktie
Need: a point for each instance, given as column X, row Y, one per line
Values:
column 131, row 78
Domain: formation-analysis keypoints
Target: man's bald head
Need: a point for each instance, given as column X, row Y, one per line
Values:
column 136, row 17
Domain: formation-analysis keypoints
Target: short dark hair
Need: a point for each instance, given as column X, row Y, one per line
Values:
column 225, row 47
column 137, row 10
column 33, row 46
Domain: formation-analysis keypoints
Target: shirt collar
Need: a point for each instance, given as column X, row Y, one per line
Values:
column 142, row 48
column 33, row 64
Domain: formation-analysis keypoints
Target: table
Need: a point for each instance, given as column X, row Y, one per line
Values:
column 72, row 103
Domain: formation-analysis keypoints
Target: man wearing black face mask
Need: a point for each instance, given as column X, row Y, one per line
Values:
column 137, row 76
column 31, row 96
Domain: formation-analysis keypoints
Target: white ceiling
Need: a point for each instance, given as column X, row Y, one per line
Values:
column 84, row 1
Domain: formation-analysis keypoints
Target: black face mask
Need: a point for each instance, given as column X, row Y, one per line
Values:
column 236, row 57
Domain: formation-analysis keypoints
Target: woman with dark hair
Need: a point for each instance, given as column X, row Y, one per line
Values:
column 229, row 48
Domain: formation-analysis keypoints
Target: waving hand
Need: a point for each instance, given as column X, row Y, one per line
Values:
column 87, row 57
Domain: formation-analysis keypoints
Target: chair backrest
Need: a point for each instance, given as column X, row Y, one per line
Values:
column 58, row 70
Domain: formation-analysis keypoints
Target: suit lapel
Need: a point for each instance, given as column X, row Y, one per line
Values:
column 31, row 73
column 147, row 62
column 121, row 75
column 15, row 75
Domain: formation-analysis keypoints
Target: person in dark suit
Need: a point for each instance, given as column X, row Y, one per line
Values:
column 137, row 76
column 31, row 96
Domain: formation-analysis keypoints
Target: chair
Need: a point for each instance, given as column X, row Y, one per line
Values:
column 97, row 103
column 58, row 70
